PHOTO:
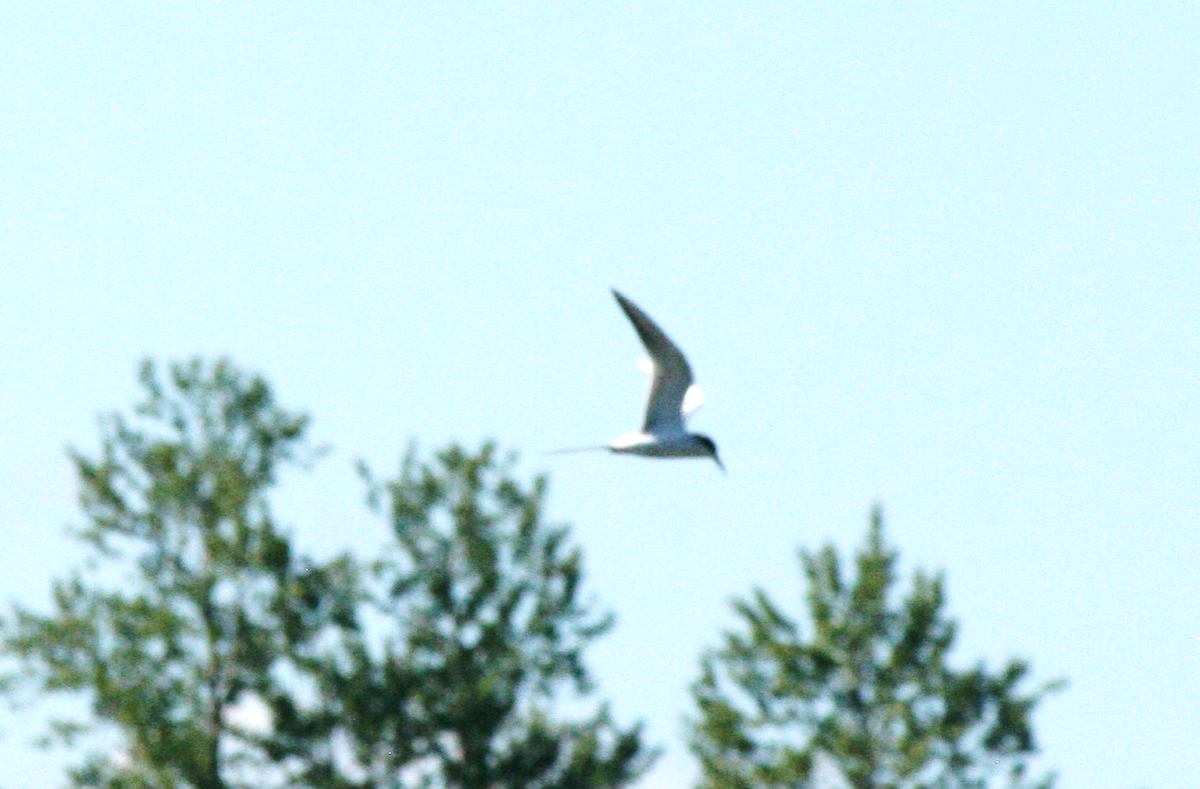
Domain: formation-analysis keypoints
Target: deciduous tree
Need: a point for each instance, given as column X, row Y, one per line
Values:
column 484, row 625
column 869, row 682
column 195, row 602
column 439, row 666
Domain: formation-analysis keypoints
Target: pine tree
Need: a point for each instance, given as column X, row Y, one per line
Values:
column 871, row 686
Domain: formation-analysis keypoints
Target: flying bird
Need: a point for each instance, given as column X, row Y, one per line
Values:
column 673, row 398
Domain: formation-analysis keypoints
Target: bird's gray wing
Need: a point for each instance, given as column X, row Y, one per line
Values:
column 672, row 375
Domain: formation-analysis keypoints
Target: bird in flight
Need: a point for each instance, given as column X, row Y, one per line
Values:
column 673, row 398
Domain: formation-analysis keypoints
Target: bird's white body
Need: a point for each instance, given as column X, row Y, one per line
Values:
column 660, row 445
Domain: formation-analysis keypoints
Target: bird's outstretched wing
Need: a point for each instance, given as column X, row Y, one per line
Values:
column 672, row 375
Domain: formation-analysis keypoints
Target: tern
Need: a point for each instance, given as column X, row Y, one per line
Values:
column 673, row 398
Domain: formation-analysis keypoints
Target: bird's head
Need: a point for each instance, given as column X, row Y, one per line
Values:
column 710, row 447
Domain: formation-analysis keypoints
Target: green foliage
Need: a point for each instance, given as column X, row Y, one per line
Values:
column 200, row 601
column 871, row 686
column 482, row 622
column 438, row 667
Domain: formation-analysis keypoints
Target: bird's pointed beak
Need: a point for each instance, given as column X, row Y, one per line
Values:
column 720, row 465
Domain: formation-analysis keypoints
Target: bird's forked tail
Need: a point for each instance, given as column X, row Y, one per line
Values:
column 569, row 450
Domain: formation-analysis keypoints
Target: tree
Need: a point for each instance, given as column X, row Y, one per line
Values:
column 871, row 687
column 436, row 666
column 483, row 628
column 195, row 601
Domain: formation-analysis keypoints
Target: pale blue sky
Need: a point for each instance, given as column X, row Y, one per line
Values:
column 943, row 256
